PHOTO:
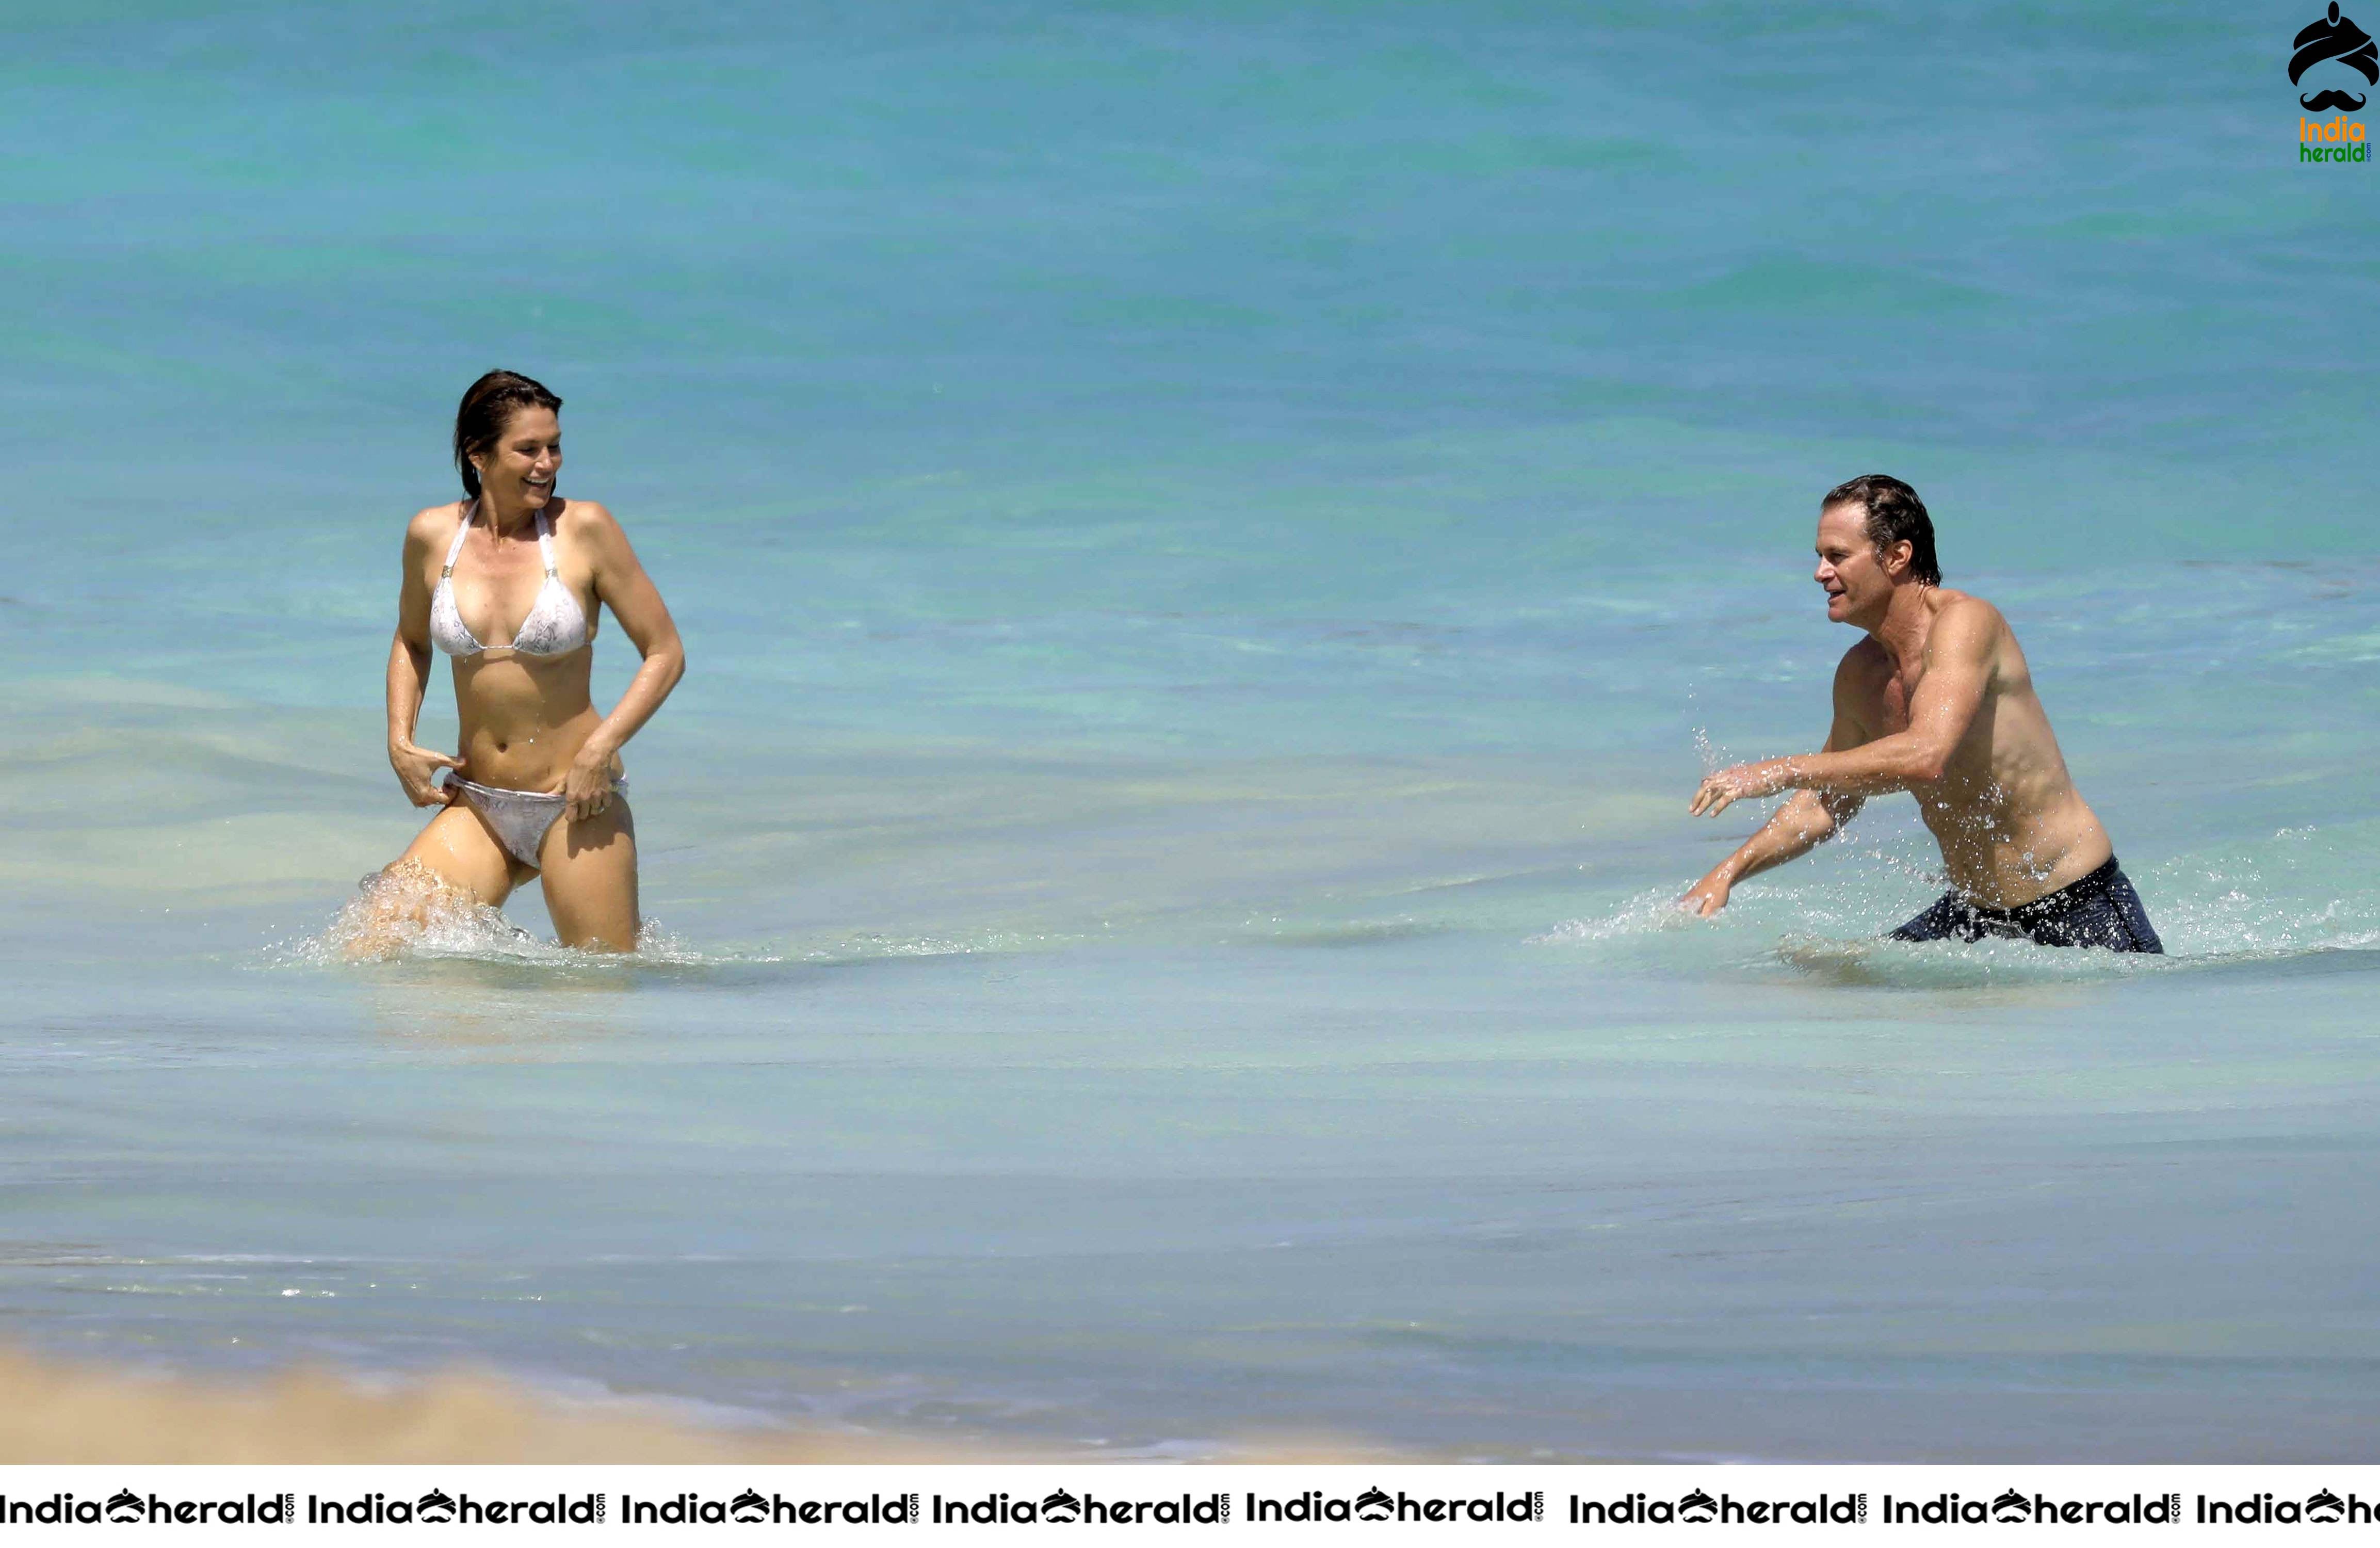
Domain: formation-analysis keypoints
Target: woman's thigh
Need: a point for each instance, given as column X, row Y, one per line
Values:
column 454, row 853
column 459, row 850
column 590, row 879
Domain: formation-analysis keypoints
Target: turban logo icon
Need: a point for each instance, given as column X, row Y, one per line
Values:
column 2334, row 37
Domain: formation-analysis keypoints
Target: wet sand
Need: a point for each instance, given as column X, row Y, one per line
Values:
column 61, row 1412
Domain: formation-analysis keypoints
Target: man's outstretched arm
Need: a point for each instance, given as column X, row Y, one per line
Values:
column 1957, row 671
column 1799, row 826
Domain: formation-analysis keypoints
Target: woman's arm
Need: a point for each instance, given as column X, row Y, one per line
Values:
column 408, row 671
column 622, row 585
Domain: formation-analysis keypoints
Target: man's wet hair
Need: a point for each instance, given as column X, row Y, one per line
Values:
column 1895, row 514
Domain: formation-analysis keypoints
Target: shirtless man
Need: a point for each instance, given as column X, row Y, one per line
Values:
column 1937, row 701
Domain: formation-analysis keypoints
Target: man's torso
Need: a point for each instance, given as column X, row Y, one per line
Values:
column 2006, row 815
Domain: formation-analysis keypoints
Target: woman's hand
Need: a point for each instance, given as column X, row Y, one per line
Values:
column 587, row 790
column 416, row 768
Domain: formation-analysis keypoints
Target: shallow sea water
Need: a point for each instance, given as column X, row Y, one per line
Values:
column 1214, row 548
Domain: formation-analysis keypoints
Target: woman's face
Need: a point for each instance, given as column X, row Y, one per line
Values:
column 519, row 470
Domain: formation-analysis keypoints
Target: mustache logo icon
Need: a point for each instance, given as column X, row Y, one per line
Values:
column 2320, row 101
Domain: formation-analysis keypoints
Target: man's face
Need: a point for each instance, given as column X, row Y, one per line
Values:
column 1857, row 585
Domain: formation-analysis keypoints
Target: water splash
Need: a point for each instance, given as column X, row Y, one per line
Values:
column 1653, row 911
column 409, row 913
column 2304, row 890
column 2295, row 895
column 1705, row 751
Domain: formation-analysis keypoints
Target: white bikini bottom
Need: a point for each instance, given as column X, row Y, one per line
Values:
column 518, row 818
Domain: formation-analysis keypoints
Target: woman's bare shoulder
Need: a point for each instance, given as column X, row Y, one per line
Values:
column 586, row 517
column 432, row 523
column 591, row 526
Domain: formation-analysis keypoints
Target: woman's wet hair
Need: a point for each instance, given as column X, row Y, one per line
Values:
column 487, row 408
column 1895, row 514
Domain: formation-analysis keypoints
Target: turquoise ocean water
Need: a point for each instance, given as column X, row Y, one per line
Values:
column 1213, row 544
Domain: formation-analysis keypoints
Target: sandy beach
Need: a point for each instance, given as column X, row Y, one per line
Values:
column 66, row 1412
column 62, row 1412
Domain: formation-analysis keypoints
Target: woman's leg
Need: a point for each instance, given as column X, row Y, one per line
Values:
column 457, row 848
column 590, row 879
column 453, row 855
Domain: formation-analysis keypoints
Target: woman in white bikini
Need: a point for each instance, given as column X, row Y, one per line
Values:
column 507, row 582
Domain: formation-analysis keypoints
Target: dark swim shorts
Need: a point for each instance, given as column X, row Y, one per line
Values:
column 2101, row 909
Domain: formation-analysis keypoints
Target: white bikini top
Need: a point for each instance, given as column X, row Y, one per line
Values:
column 556, row 624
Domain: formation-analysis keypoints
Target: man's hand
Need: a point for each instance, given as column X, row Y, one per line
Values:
column 1708, row 896
column 1743, row 782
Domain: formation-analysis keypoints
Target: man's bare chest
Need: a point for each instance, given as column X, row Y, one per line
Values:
column 1888, row 702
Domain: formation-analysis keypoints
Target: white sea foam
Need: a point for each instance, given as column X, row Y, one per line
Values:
column 1653, row 911
column 405, row 913
column 2294, row 894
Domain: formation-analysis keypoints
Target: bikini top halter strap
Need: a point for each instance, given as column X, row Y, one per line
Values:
column 454, row 549
column 463, row 530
